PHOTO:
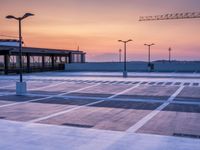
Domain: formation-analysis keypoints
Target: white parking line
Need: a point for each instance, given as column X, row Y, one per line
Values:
column 63, row 112
column 48, row 86
column 8, row 86
column 173, row 96
column 120, row 99
column 122, row 92
column 44, row 98
column 24, row 102
column 144, row 120
column 78, row 107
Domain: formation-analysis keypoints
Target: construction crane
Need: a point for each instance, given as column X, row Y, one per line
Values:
column 187, row 15
column 172, row 16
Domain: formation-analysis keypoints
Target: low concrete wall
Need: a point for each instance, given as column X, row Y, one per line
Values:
column 135, row 67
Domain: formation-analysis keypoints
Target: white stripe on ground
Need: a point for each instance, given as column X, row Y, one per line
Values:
column 8, row 86
column 144, row 120
column 122, row 92
column 121, row 99
column 24, row 102
column 45, row 87
column 44, row 98
column 79, row 89
column 63, row 112
column 78, row 107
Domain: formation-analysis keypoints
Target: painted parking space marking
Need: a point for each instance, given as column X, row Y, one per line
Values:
column 46, row 87
column 125, row 91
column 150, row 92
column 175, row 120
column 143, row 82
column 190, row 94
column 103, row 90
column 133, row 82
column 112, row 97
column 29, row 111
column 144, row 120
column 78, row 107
column 63, row 112
column 107, row 115
column 68, row 86
column 149, row 100
column 44, row 98
column 23, row 102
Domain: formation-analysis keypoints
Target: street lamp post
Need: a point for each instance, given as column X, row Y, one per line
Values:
column 125, row 69
column 170, row 54
column 120, row 55
column 149, row 54
column 20, row 86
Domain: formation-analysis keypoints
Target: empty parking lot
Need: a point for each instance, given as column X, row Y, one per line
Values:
column 139, row 106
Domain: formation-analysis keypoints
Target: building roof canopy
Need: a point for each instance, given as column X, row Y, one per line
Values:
column 36, row 51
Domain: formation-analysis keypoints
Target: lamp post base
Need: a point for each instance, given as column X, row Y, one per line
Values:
column 125, row 74
column 21, row 88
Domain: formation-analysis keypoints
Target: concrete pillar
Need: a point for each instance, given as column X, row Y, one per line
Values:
column 43, row 63
column 17, row 62
column 83, row 58
column 52, row 61
column 71, row 58
column 67, row 59
column 28, row 63
column 6, row 62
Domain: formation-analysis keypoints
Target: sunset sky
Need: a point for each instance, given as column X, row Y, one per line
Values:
column 97, row 25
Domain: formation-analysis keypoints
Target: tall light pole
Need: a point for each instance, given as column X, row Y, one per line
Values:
column 170, row 54
column 125, row 69
column 120, row 55
column 20, row 86
column 149, row 52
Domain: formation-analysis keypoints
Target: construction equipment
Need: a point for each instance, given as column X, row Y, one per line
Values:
column 187, row 15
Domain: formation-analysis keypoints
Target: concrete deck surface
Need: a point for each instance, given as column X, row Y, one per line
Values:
column 62, row 111
column 22, row 136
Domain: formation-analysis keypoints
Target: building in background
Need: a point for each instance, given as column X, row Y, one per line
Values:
column 35, row 59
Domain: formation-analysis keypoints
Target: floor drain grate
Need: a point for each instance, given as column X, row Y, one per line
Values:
column 187, row 135
column 77, row 125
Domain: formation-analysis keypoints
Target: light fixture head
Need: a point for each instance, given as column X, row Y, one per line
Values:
column 10, row 17
column 27, row 15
